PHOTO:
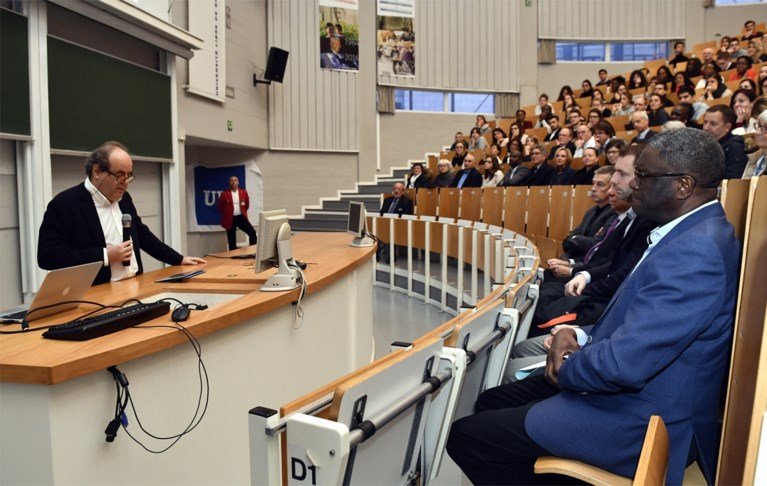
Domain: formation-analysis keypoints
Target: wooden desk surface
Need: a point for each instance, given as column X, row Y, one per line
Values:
column 29, row 358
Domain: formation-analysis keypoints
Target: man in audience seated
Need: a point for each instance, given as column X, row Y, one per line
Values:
column 574, row 118
column 603, row 133
column 584, row 236
column 641, row 123
column 458, row 138
column 724, row 61
column 540, row 172
column 640, row 102
column 565, row 139
column 719, row 120
column 584, row 139
column 521, row 115
column 603, row 79
column 660, row 90
column 687, row 95
column 684, row 112
column 585, row 175
column 660, row 348
column 398, row 203
column 542, row 121
column 517, row 174
column 707, row 56
column 553, row 122
column 460, row 153
column 468, row 176
column 678, row 55
column 83, row 224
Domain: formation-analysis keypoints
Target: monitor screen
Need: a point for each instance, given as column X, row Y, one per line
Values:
column 269, row 225
column 356, row 225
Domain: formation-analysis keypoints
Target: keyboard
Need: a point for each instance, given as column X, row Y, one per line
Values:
column 16, row 316
column 107, row 323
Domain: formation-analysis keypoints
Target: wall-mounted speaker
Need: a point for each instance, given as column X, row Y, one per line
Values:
column 275, row 66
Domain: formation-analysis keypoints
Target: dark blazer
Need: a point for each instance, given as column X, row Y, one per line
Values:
column 590, row 230
column 71, row 234
column 616, row 250
column 516, row 176
column 650, row 134
column 540, row 176
column 735, row 159
column 552, row 136
column 562, row 178
column 657, row 118
column 404, row 206
column 474, row 178
column 669, row 325
column 570, row 146
column 458, row 160
column 420, row 183
column 584, row 176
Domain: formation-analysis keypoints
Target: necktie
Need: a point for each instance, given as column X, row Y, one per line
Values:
column 759, row 166
column 463, row 179
column 610, row 229
column 394, row 205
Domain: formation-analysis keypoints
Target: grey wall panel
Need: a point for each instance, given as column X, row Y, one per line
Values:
column 464, row 45
column 313, row 109
column 611, row 19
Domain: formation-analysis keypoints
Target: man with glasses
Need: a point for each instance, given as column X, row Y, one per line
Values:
column 84, row 223
column 540, row 171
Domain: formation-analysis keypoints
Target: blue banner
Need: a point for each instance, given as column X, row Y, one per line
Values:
column 208, row 185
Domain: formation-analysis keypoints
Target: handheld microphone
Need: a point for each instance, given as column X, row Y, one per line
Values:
column 127, row 222
column 399, row 211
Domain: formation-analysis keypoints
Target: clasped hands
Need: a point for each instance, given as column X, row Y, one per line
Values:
column 562, row 342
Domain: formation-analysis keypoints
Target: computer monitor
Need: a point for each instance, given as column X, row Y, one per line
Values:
column 274, row 247
column 357, row 225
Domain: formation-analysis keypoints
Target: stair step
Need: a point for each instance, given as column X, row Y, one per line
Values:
column 343, row 205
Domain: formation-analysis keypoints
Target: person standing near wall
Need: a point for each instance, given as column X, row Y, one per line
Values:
column 233, row 206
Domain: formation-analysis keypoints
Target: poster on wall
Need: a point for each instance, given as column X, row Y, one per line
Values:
column 209, row 182
column 396, row 38
column 339, row 35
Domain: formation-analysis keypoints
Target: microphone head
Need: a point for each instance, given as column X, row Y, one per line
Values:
column 127, row 220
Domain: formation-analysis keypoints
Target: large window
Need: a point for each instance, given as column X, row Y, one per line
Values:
column 580, row 51
column 638, row 51
column 738, row 2
column 442, row 101
column 611, row 51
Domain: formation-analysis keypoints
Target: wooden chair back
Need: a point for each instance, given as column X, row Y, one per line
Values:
column 735, row 203
column 560, row 211
column 470, row 204
column 427, row 202
column 581, row 203
column 448, row 202
column 492, row 206
column 537, row 211
column 514, row 209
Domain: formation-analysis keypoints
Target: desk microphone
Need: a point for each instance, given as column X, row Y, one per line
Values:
column 127, row 221
column 399, row 211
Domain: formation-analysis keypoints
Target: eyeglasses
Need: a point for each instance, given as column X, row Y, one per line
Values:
column 126, row 178
column 641, row 175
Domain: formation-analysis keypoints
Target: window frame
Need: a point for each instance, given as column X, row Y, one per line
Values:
column 448, row 102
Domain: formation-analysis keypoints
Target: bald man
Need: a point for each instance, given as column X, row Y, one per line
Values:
column 83, row 224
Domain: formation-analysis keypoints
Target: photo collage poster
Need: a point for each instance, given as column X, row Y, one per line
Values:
column 396, row 38
column 339, row 35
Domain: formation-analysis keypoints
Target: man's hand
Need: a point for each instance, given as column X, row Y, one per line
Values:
column 561, row 271
column 190, row 260
column 120, row 253
column 575, row 286
column 563, row 343
column 556, row 262
column 554, row 330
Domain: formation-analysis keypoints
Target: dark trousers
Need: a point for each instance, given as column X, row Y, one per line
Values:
column 242, row 223
column 492, row 446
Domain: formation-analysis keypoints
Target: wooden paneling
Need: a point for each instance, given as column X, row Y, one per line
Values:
column 582, row 202
column 470, row 203
column 448, row 202
column 427, row 202
column 537, row 211
column 560, row 210
column 492, row 206
column 514, row 209
column 735, row 202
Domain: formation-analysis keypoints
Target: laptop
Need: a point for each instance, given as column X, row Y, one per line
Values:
column 59, row 286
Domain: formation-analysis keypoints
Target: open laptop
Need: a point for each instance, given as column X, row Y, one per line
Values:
column 59, row 286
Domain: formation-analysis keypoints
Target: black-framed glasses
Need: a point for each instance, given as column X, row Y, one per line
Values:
column 640, row 174
column 126, row 178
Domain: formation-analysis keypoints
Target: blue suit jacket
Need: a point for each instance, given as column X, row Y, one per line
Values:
column 660, row 348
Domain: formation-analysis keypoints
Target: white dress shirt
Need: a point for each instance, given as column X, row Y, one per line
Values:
column 236, row 202
column 110, row 217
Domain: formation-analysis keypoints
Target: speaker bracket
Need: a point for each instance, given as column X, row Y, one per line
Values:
column 257, row 81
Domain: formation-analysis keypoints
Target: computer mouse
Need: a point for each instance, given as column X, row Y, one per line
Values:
column 180, row 314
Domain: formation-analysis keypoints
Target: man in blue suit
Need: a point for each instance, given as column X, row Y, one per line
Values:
column 660, row 348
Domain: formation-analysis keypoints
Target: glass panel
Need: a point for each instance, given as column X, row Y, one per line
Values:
column 738, row 2
column 402, row 99
column 472, row 103
column 638, row 51
column 427, row 101
column 580, row 51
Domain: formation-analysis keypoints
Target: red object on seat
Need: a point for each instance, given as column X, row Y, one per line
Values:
column 558, row 320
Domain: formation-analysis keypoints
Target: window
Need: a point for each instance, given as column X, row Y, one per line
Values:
column 580, row 51
column 638, row 51
column 738, row 2
column 444, row 102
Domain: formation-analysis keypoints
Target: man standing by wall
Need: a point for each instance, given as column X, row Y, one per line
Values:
column 233, row 206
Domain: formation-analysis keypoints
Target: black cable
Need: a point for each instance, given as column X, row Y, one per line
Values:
column 24, row 329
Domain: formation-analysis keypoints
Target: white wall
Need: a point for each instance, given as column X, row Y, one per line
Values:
column 551, row 77
column 729, row 19
column 10, row 257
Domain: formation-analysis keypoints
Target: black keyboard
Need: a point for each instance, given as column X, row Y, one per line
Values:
column 107, row 323
column 16, row 316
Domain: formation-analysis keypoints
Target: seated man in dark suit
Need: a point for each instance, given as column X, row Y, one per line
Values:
column 599, row 216
column 564, row 139
column 719, row 121
column 518, row 173
column 641, row 123
column 540, row 171
column 553, row 122
column 83, row 223
column 398, row 203
column 660, row 348
column 468, row 176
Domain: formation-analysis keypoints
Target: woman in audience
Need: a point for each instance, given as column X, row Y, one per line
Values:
column 624, row 107
column 477, row 140
column 594, row 117
column 616, row 87
column 588, row 89
column 724, row 44
column 564, row 173
column 543, row 100
column 613, row 149
column 709, row 69
column 499, row 137
column 568, row 102
column 418, row 178
column 482, row 124
column 743, row 69
column 516, row 133
column 585, row 176
column 532, row 142
column 619, row 90
column 763, row 87
column 566, row 89
column 758, row 161
column 748, row 84
column 493, row 174
column 495, row 152
column 762, row 80
column 444, row 176
column 637, row 80
column 756, row 51
column 742, row 103
column 715, row 89
column 514, row 145
column 656, row 112
column 599, row 105
column 694, row 67
column 664, row 74
column 681, row 79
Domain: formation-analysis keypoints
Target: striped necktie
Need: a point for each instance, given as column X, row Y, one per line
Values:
column 609, row 231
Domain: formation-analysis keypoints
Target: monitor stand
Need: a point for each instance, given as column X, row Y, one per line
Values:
column 363, row 242
column 287, row 276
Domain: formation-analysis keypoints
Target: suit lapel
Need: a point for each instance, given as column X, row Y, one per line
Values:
column 90, row 216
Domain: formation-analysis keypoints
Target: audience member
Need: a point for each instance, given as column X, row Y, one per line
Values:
column 741, row 103
column 517, row 133
column 687, row 95
column 683, row 113
column 664, row 75
column 522, row 120
column 553, row 123
column 569, row 102
column 612, row 150
column 585, row 176
column 574, row 118
column 640, row 103
column 656, row 111
column 468, row 176
column 495, row 152
column 755, row 51
column 598, row 217
column 542, row 121
column 444, row 176
column 678, row 54
column 681, row 80
column 756, row 161
column 566, row 89
column 707, row 56
column 565, row 139
column 743, row 69
column 603, row 133
column 724, row 62
column 641, row 123
column 418, row 178
column 709, row 69
column 458, row 138
column 637, row 80
column 516, row 145
column 588, row 89
column 499, row 137
column 672, row 125
column 748, row 83
column 594, row 117
column 718, row 121
column 482, row 124
column 751, row 32
column 460, row 153
column 624, row 107
column 694, row 67
column 543, row 101
column 670, row 330
column 493, row 176
column 660, row 90
column 735, row 49
column 517, row 174
column 603, row 80
column 584, row 139
column 540, row 171
column 398, row 203
column 563, row 173
column 477, row 140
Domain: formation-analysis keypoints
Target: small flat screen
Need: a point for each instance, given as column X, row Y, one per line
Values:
column 355, row 219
